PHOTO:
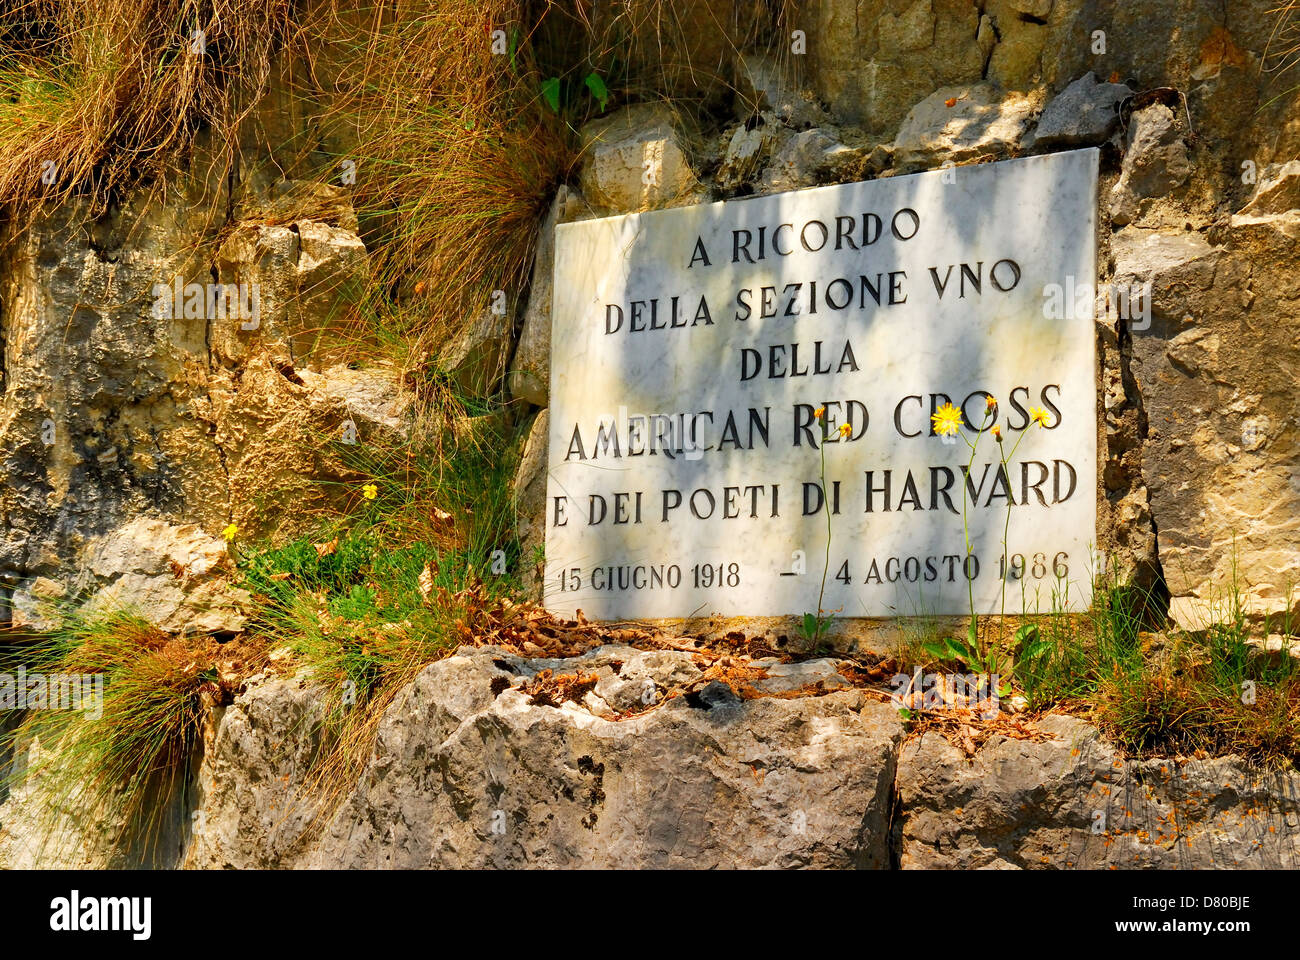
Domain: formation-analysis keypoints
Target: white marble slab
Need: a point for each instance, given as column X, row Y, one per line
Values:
column 639, row 524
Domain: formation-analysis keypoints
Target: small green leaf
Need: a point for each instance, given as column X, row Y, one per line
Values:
column 1036, row 650
column 551, row 93
column 960, row 651
column 1027, row 633
column 905, row 713
column 810, row 626
column 598, row 89
column 937, row 649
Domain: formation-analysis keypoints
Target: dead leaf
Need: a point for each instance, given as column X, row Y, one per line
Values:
column 426, row 583
column 325, row 549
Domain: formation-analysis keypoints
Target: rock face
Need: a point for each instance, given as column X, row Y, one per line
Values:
column 1221, row 450
column 125, row 404
column 468, row 771
column 1070, row 803
column 530, row 369
column 1155, row 162
column 963, row 123
column 530, row 500
column 173, row 575
column 804, row 159
column 474, row 764
column 1083, row 114
column 634, row 161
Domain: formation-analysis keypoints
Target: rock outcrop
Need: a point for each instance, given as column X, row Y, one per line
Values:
column 469, row 770
column 479, row 763
column 127, row 406
column 1070, row 802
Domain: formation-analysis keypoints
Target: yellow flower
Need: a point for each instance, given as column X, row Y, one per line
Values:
column 370, row 491
column 820, row 413
column 997, row 433
column 947, row 420
column 845, row 429
column 230, row 532
column 990, row 402
column 1039, row 416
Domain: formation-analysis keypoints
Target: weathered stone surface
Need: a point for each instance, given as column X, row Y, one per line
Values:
column 1013, row 33
column 634, row 160
column 982, row 122
column 1072, row 803
column 476, row 357
column 251, row 804
column 1277, row 192
column 530, row 500
column 1219, row 455
column 466, row 771
column 767, row 87
column 870, row 64
column 804, row 159
column 1083, row 114
column 279, row 432
column 707, row 781
column 1155, row 162
column 746, row 147
column 47, row 822
column 97, row 420
column 529, row 378
column 116, row 408
column 175, row 576
column 308, row 274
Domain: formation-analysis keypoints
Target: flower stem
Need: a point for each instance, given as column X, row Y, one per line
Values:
column 826, row 565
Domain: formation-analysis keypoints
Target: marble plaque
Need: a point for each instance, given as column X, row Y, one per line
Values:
column 692, row 349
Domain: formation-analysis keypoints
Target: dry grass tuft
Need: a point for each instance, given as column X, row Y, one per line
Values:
column 99, row 95
column 127, row 764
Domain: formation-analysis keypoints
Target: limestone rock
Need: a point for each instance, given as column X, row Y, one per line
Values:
column 251, row 801
column 177, row 577
column 804, row 159
column 1155, row 162
column 634, row 161
column 283, row 433
column 1083, row 114
column 99, row 415
column 1072, row 803
column 530, row 499
column 870, row 64
column 115, row 391
column 982, row 122
column 47, row 823
column 765, row 87
column 468, row 772
column 1218, row 455
column 745, row 150
column 529, row 378
column 1276, row 192
column 307, row 276
column 1019, row 32
column 476, row 356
